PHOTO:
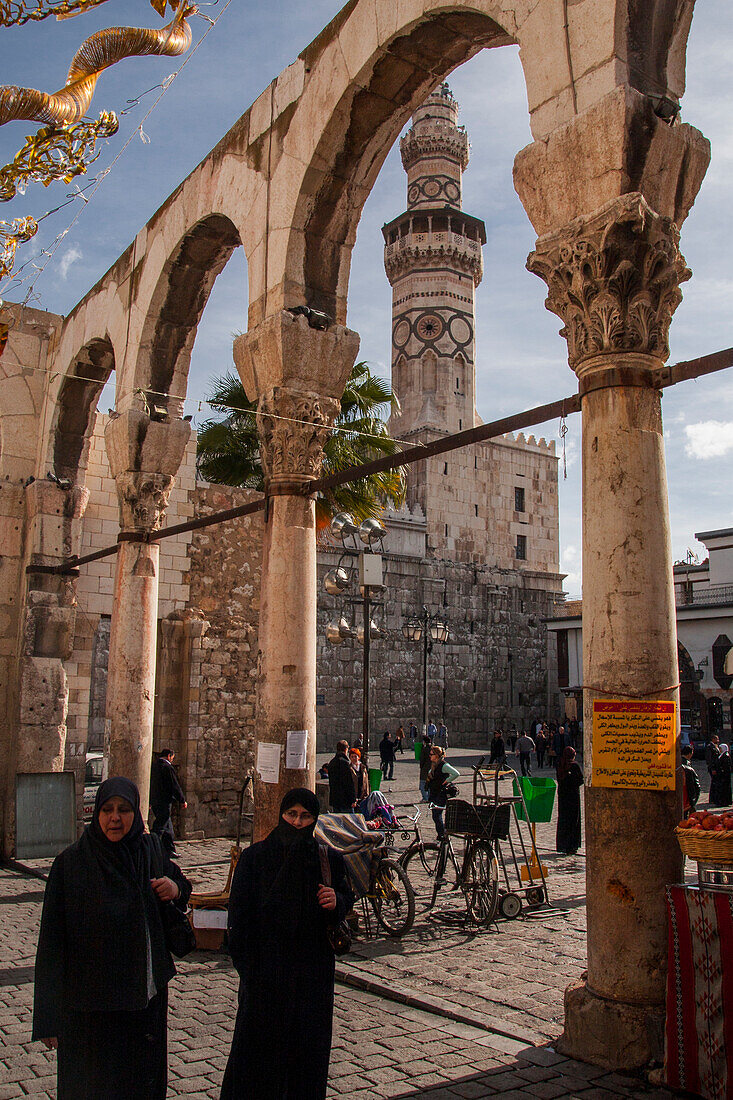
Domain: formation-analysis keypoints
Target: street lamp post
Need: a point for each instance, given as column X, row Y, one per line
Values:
column 337, row 582
column 427, row 629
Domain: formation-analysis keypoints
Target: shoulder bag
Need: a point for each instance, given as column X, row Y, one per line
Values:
column 180, row 937
column 339, row 935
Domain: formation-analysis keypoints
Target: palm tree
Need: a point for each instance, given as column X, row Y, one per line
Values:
column 228, row 447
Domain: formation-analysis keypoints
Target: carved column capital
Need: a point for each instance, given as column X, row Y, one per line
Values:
column 293, row 427
column 614, row 280
column 144, row 457
column 143, row 499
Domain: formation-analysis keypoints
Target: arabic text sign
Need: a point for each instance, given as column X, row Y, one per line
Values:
column 634, row 744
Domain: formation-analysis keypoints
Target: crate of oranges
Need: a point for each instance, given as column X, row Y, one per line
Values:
column 707, row 836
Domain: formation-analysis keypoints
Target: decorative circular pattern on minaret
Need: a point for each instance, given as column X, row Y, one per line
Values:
column 460, row 330
column 429, row 327
column 401, row 333
column 432, row 188
column 452, row 191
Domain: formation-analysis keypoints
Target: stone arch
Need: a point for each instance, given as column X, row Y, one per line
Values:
column 363, row 125
column 76, row 406
column 177, row 303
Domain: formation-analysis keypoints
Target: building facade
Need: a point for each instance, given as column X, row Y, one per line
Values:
column 704, row 603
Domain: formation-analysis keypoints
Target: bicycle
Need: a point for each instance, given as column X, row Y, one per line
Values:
column 478, row 874
column 391, row 897
column 420, row 858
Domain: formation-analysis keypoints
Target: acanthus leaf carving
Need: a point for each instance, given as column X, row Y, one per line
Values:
column 143, row 499
column 293, row 427
column 614, row 280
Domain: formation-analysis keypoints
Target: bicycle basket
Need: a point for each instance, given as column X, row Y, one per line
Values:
column 486, row 821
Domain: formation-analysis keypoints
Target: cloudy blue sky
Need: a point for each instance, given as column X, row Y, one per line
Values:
column 520, row 356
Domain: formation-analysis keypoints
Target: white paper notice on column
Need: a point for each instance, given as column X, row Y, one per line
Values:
column 296, row 752
column 268, row 761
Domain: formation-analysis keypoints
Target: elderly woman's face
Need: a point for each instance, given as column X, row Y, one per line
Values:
column 116, row 816
column 298, row 816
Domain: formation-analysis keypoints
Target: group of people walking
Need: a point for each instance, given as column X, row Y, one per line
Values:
column 103, row 963
column 548, row 743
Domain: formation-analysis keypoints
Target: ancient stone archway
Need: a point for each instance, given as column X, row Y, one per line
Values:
column 607, row 184
column 76, row 407
column 176, row 306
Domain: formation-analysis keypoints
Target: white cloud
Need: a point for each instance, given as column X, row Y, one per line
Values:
column 69, row 257
column 709, row 439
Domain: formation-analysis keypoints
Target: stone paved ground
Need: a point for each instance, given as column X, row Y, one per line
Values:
column 511, row 977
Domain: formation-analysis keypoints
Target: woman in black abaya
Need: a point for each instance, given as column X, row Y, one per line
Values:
column 569, row 782
column 102, row 967
column 279, row 911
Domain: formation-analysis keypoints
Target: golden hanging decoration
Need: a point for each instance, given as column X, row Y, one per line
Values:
column 12, row 234
column 13, row 13
column 56, row 153
column 97, row 53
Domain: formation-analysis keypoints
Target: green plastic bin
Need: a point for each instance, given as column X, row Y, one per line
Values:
column 418, row 750
column 375, row 779
column 539, row 796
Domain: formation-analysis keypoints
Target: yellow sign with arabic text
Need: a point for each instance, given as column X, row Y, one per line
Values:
column 634, row 744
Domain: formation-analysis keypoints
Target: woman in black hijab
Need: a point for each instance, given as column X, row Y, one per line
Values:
column 102, row 967
column 279, row 910
column 569, row 782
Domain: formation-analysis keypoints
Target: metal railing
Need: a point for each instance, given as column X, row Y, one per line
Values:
column 687, row 596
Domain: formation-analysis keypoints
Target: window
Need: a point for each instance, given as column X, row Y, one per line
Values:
column 520, row 551
column 476, row 510
column 445, row 467
column 519, row 499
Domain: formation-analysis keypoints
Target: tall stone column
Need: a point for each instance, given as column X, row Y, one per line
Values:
column 144, row 456
column 298, row 373
column 613, row 277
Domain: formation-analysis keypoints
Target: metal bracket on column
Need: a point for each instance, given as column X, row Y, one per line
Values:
column 135, row 536
column 66, row 568
column 619, row 378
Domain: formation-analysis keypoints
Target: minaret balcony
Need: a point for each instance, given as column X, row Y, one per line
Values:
column 440, row 250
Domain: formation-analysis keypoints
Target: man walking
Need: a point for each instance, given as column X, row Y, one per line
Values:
column 164, row 791
column 341, row 782
column 387, row 755
column 441, row 737
column 525, row 748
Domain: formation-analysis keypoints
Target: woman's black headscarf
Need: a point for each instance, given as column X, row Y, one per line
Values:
column 297, row 869
column 126, row 852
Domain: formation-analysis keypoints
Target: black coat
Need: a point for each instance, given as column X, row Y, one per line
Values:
column 436, row 785
column 341, row 784
column 720, row 781
column 387, row 750
column 568, row 810
column 278, row 942
column 91, row 979
column 164, row 786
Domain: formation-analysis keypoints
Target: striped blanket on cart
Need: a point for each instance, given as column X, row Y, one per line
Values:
column 348, row 834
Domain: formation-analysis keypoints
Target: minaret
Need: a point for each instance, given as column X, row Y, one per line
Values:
column 433, row 261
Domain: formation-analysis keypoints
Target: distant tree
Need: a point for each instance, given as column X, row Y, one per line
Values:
column 228, row 447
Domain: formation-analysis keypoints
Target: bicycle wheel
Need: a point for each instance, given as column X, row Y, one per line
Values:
column 419, row 865
column 393, row 898
column 481, row 883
